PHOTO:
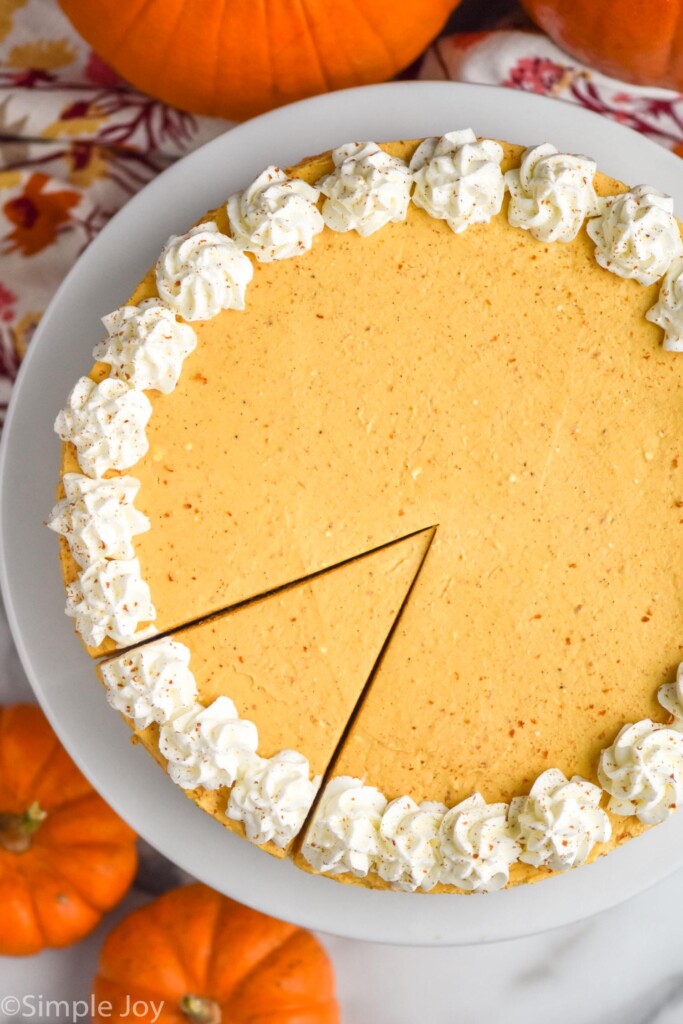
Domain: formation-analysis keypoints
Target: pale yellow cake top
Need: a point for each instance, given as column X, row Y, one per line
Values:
column 506, row 391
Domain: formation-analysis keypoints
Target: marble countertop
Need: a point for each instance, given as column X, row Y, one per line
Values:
column 621, row 967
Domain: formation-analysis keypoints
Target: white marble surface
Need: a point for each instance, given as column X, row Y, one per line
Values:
column 623, row 967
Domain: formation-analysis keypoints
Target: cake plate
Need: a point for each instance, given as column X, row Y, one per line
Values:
column 58, row 668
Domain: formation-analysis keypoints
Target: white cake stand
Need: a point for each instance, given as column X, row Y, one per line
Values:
column 62, row 674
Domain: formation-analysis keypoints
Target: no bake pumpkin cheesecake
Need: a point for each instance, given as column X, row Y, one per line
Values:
column 456, row 334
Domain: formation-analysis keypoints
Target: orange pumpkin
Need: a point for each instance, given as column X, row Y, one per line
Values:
column 634, row 40
column 238, row 58
column 65, row 857
column 209, row 960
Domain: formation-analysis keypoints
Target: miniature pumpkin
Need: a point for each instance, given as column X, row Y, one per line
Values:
column 634, row 40
column 238, row 58
column 210, row 960
column 65, row 857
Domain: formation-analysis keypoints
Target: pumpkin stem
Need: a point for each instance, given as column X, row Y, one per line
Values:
column 201, row 1010
column 16, row 830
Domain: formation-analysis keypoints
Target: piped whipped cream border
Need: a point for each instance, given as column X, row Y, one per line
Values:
column 210, row 746
column 354, row 829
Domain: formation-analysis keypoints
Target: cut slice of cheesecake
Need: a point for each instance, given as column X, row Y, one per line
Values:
column 265, row 690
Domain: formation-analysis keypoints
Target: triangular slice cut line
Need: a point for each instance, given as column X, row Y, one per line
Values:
column 296, row 662
column 264, row 595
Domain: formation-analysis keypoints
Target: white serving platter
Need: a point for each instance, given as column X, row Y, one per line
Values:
column 60, row 671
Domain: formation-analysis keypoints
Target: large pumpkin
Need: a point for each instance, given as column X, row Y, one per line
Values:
column 634, row 40
column 238, row 58
column 207, row 960
column 65, row 857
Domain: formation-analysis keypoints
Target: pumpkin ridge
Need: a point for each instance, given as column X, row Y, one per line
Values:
column 170, row 33
column 109, row 877
column 42, row 858
column 45, row 911
column 305, row 17
column 61, row 782
column 353, row 10
column 125, row 23
column 89, row 846
column 673, row 39
column 174, row 946
column 39, row 769
column 39, row 765
column 217, row 67
column 89, row 796
column 31, row 900
column 122, row 991
column 155, row 926
column 258, row 965
column 213, row 950
column 266, row 36
column 55, row 809
column 108, row 973
column 140, row 12
column 377, row 35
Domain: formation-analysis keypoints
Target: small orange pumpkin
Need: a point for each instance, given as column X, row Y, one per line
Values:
column 635, row 40
column 209, row 960
column 238, row 58
column 65, row 857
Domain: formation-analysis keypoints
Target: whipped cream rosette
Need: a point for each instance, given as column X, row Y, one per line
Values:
column 111, row 599
column 276, row 217
column 637, row 236
column 97, row 518
column 106, row 424
column 207, row 746
column 273, row 796
column 151, row 683
column 559, row 822
column 146, row 345
column 344, row 834
column 458, row 179
column 551, row 193
column 367, row 190
column 643, row 771
column 477, row 845
column 411, row 856
column 202, row 272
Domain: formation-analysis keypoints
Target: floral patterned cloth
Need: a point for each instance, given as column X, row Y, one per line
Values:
column 531, row 62
column 76, row 142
